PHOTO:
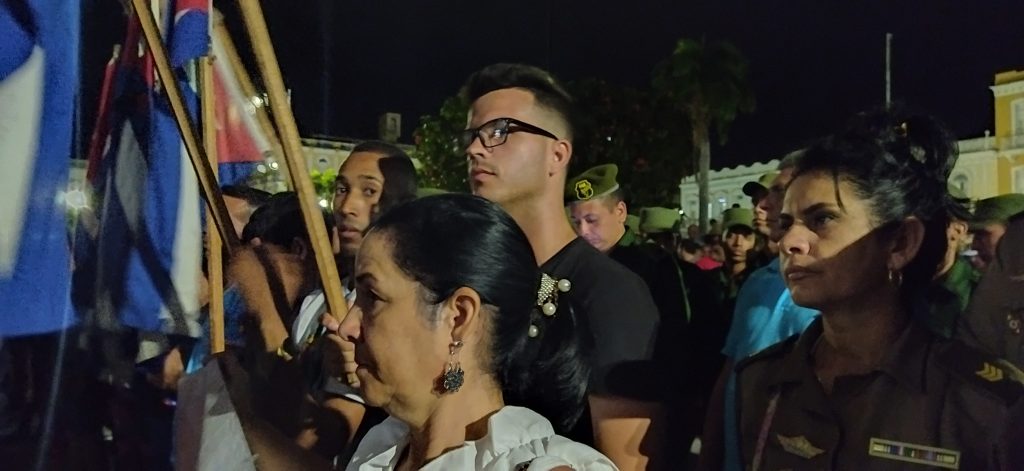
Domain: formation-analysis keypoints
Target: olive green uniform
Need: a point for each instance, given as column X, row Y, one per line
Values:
column 994, row 320
column 931, row 404
column 948, row 297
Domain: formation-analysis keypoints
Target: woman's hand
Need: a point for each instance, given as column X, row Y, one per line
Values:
column 339, row 354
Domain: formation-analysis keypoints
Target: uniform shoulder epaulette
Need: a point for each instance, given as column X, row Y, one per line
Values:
column 777, row 350
column 983, row 370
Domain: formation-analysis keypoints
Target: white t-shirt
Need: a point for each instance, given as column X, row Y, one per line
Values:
column 517, row 439
column 305, row 328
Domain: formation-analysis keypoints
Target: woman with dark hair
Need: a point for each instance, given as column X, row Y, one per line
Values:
column 865, row 387
column 453, row 321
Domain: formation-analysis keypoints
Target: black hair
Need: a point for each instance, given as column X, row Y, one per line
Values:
column 279, row 221
column 545, row 89
column 740, row 229
column 254, row 197
column 399, row 173
column 899, row 162
column 446, row 242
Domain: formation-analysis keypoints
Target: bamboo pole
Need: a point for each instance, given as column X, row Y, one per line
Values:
column 215, row 267
column 200, row 162
column 234, row 61
column 259, row 37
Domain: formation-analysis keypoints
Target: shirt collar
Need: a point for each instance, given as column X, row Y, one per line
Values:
column 905, row 362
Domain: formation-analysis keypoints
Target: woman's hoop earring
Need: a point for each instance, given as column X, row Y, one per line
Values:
column 896, row 278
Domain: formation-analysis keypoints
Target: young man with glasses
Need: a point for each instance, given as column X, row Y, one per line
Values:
column 518, row 145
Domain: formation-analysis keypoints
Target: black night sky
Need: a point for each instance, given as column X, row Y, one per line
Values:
column 812, row 63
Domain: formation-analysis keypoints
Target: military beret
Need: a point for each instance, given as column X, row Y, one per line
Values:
column 655, row 220
column 754, row 189
column 738, row 217
column 997, row 209
column 593, row 183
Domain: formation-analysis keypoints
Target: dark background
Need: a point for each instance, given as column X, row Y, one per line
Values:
column 812, row 63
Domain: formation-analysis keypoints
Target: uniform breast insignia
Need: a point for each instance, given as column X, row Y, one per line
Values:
column 799, row 446
column 911, row 453
column 584, row 190
column 990, row 372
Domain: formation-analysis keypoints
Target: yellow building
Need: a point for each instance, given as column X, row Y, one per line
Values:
column 994, row 164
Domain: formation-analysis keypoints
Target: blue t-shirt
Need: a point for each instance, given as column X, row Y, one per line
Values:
column 764, row 315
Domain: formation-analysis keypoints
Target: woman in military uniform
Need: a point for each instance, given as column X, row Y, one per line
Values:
column 865, row 387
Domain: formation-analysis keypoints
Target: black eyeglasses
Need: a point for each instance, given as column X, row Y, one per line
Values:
column 495, row 132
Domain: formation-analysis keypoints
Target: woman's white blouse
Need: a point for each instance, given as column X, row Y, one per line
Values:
column 517, row 439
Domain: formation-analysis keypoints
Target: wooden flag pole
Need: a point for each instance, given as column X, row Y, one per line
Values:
column 214, row 260
column 200, row 162
column 256, row 26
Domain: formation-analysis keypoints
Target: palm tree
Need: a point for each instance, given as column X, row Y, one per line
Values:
column 707, row 82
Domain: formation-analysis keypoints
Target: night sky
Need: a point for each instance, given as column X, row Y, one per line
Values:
column 812, row 63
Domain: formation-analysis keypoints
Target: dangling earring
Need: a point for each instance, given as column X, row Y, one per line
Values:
column 896, row 278
column 453, row 376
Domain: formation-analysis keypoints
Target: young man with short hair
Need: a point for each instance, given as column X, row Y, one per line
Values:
column 518, row 145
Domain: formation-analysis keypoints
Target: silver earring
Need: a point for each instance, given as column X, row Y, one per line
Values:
column 453, row 375
column 896, row 278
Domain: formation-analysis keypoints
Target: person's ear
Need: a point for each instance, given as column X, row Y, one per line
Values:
column 905, row 243
column 300, row 248
column 560, row 155
column 461, row 313
column 620, row 212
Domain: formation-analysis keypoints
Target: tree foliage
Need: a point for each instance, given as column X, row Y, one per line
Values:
column 635, row 130
column 710, row 85
column 442, row 160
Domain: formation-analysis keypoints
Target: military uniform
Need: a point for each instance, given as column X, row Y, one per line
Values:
column 931, row 404
column 994, row 320
column 948, row 297
column 658, row 268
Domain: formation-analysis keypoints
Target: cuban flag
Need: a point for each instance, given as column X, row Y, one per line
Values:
column 241, row 142
column 38, row 90
column 149, row 244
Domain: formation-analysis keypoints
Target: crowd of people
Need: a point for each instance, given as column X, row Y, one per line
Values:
column 846, row 321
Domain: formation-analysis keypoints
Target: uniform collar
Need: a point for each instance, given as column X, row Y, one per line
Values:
column 905, row 362
column 628, row 238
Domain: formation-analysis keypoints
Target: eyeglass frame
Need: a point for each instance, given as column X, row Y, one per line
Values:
column 465, row 140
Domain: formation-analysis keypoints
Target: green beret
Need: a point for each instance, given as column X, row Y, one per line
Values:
column 655, row 220
column 425, row 192
column 737, row 217
column 755, row 189
column 593, row 183
column 997, row 209
column 633, row 222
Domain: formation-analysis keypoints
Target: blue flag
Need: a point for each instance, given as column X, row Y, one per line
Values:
column 39, row 41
